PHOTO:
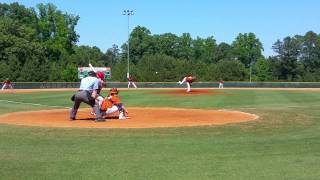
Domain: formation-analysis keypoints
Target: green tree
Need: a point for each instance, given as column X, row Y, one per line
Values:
column 55, row 72
column 204, row 50
column 158, row 67
column 30, row 70
column 140, row 43
column 288, row 52
column 184, row 47
column 261, row 70
column 224, row 51
column 56, row 30
column 83, row 55
column 166, row 44
column 231, row 70
column 247, row 48
column 310, row 56
column 70, row 73
column 112, row 56
column 4, row 71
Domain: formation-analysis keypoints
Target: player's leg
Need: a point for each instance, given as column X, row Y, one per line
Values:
column 122, row 113
column 95, row 106
column 188, row 87
column 134, row 85
column 76, row 105
column 183, row 80
column 111, row 110
column 99, row 100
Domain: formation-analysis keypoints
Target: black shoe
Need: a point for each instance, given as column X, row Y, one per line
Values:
column 72, row 119
column 100, row 120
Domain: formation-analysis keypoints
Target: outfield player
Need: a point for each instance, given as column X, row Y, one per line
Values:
column 131, row 81
column 221, row 84
column 6, row 84
column 112, row 103
column 188, row 80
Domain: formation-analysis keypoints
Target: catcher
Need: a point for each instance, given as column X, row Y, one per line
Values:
column 112, row 103
column 188, row 80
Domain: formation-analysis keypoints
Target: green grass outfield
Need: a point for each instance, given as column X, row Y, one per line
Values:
column 284, row 143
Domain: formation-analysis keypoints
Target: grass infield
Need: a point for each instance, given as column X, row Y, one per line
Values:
column 282, row 144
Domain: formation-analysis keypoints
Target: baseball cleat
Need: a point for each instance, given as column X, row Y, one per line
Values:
column 122, row 116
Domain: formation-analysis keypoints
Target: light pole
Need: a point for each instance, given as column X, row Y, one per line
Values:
column 128, row 13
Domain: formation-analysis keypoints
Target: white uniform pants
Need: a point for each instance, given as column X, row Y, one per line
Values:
column 113, row 109
column 133, row 84
column 6, row 86
column 184, row 80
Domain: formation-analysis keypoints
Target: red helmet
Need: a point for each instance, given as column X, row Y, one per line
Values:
column 100, row 75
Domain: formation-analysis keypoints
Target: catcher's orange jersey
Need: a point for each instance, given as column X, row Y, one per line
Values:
column 114, row 99
column 109, row 102
column 106, row 103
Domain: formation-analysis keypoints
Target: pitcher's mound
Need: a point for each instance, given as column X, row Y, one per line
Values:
column 139, row 118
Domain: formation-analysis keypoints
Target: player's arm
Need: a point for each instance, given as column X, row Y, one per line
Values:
column 94, row 94
column 95, row 88
column 125, row 110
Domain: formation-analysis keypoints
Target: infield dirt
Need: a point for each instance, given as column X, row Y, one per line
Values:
column 139, row 118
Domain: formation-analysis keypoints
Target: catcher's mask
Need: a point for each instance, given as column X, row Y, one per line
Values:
column 114, row 91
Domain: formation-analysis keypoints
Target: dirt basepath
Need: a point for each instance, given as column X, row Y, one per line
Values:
column 139, row 118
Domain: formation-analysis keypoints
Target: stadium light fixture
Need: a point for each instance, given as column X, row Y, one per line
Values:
column 128, row 13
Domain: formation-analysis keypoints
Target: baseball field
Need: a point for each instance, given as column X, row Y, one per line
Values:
column 215, row 134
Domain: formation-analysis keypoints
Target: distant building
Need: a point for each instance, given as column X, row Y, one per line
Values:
column 83, row 71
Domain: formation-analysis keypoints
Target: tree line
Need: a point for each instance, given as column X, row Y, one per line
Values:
column 40, row 44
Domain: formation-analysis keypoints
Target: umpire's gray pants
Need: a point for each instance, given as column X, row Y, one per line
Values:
column 84, row 96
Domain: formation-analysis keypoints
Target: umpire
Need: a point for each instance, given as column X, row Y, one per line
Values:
column 87, row 94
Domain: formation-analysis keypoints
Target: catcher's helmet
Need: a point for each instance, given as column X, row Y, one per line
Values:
column 114, row 91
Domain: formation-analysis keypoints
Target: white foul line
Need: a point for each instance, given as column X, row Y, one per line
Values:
column 33, row 104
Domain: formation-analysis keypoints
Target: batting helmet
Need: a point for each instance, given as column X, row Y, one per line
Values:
column 100, row 75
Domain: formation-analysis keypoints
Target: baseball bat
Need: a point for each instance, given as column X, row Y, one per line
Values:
column 92, row 68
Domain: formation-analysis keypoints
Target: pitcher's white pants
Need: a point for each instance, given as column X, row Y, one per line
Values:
column 184, row 80
column 6, row 86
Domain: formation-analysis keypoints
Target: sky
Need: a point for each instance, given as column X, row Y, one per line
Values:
column 102, row 24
